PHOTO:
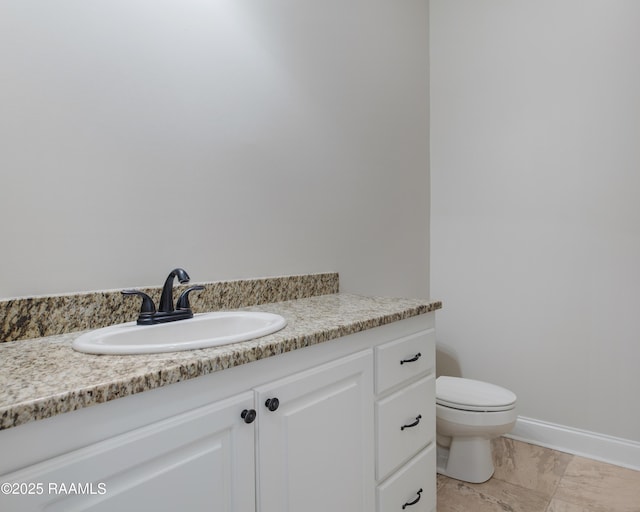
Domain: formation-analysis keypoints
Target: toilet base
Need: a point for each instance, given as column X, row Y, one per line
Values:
column 467, row 459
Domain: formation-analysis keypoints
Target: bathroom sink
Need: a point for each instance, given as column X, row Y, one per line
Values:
column 202, row 331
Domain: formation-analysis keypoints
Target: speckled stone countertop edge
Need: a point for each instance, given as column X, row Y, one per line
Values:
column 69, row 380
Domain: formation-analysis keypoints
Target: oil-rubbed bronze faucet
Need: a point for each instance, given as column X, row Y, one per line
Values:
column 167, row 313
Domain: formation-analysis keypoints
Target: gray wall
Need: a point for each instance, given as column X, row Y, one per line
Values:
column 236, row 138
column 535, row 213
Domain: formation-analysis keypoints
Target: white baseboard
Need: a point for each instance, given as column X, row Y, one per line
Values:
column 614, row 450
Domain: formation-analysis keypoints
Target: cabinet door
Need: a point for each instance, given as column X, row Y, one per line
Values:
column 315, row 450
column 202, row 460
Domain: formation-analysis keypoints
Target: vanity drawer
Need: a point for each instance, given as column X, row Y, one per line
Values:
column 415, row 480
column 405, row 424
column 402, row 359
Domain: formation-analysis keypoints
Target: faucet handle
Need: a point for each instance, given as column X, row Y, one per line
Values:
column 183, row 300
column 148, row 307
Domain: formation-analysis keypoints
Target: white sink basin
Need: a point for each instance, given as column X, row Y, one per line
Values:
column 202, row 331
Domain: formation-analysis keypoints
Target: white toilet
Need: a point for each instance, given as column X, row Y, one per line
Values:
column 469, row 413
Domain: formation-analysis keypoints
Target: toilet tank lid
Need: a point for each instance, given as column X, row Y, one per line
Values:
column 468, row 394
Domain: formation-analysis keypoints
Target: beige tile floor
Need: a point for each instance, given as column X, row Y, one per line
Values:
column 530, row 478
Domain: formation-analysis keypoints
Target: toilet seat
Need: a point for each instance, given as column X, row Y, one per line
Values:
column 473, row 395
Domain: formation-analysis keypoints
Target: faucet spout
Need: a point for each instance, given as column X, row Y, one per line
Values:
column 166, row 299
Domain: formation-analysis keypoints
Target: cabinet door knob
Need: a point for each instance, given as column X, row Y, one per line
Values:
column 418, row 417
column 409, row 503
column 413, row 359
column 248, row 415
column 272, row 404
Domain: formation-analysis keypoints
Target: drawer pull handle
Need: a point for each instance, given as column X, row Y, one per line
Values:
column 272, row 404
column 248, row 415
column 413, row 359
column 409, row 503
column 418, row 417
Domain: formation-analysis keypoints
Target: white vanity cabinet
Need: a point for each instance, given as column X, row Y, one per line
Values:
column 312, row 430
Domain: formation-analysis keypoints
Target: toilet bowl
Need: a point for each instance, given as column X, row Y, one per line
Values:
column 469, row 413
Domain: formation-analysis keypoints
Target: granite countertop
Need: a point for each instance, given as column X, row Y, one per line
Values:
column 43, row 377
